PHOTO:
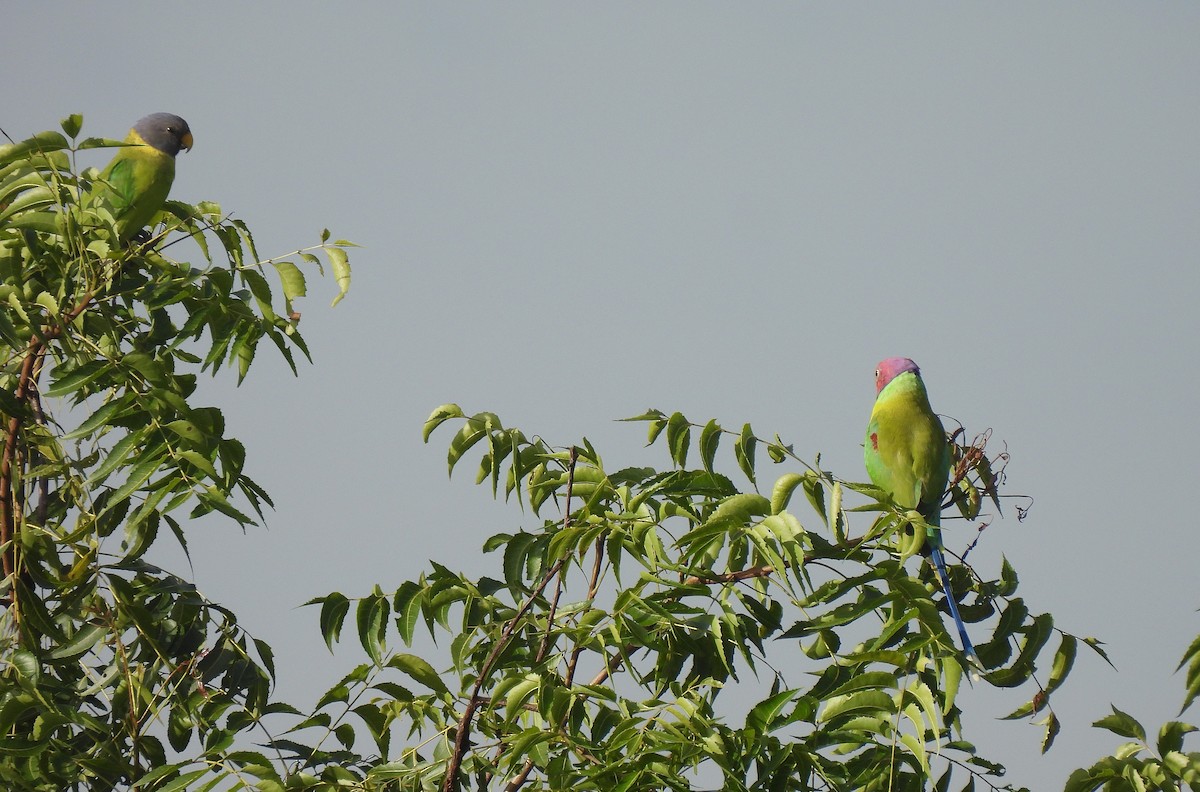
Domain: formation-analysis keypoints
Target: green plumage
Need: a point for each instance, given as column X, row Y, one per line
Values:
column 907, row 453
column 137, row 181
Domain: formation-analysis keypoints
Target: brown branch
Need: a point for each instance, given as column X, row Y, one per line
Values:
column 732, row 577
column 31, row 369
column 43, row 482
column 544, row 648
column 8, row 517
column 593, row 585
column 462, row 737
column 765, row 570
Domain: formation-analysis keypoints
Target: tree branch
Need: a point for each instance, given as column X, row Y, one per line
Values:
column 462, row 737
column 31, row 369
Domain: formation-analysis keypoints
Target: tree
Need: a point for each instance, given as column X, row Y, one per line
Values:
column 643, row 633
column 106, row 655
column 597, row 660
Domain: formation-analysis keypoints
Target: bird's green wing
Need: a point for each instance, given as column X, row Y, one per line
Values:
column 906, row 451
column 140, row 180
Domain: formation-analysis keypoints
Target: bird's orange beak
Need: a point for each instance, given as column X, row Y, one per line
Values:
column 186, row 141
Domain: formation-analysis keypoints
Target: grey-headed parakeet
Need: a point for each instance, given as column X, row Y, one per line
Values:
column 908, row 455
column 138, row 179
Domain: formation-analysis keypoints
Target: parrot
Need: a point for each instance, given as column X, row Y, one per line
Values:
column 137, row 181
column 907, row 455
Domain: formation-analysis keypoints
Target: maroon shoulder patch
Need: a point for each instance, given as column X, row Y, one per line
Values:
column 875, row 440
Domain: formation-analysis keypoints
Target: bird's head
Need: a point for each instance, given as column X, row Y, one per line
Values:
column 166, row 132
column 889, row 369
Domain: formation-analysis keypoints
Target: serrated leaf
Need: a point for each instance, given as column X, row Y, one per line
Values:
column 743, row 450
column 407, row 607
column 1122, row 724
column 72, row 124
column 679, row 438
column 420, row 670
column 80, row 642
column 372, row 617
column 869, row 702
column 1064, row 660
column 781, row 493
column 334, row 608
column 291, row 278
column 75, row 379
column 1052, row 729
column 710, row 438
column 341, row 271
column 101, row 417
column 438, row 417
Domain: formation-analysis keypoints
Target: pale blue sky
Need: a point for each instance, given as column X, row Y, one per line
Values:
column 572, row 212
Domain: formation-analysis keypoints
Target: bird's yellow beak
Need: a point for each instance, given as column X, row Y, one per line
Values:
column 186, row 141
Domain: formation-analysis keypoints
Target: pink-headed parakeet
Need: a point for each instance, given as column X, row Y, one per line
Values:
column 908, row 455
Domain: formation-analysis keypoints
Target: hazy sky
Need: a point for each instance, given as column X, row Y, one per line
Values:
column 572, row 212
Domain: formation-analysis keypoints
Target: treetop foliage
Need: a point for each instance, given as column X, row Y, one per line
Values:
column 724, row 620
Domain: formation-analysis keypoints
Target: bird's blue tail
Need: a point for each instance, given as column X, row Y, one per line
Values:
column 939, row 561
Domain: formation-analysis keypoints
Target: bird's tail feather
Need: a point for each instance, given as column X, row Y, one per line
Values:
column 939, row 561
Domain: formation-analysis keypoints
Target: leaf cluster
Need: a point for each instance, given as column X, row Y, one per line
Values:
column 113, row 669
column 599, row 659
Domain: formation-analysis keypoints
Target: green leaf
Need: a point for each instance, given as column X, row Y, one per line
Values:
column 104, row 416
column 80, row 642
column 184, row 781
column 743, row 450
column 372, row 617
column 292, row 280
column 42, row 142
column 762, row 716
column 836, row 518
column 710, row 438
column 407, row 606
column 149, row 461
column 72, row 124
column 1008, row 578
column 71, row 380
column 475, row 429
column 19, row 746
column 1170, row 737
column 341, row 271
column 334, row 608
column 419, row 670
column 1064, row 659
column 1192, row 656
column 864, row 702
column 187, row 430
column 516, row 554
column 679, row 437
column 26, row 664
column 203, row 464
column 781, row 493
column 1052, row 729
column 1122, row 724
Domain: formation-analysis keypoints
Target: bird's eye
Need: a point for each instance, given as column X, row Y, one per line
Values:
column 876, row 372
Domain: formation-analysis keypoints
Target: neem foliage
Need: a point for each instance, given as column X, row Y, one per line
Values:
column 667, row 629
column 109, row 660
column 652, row 629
